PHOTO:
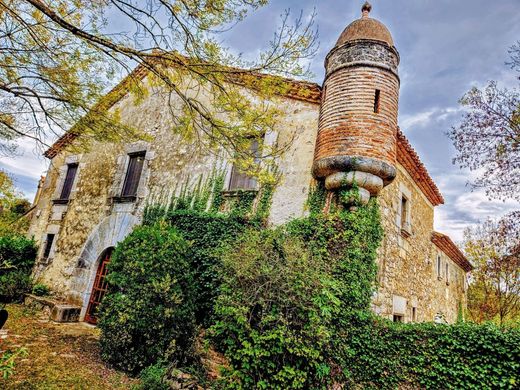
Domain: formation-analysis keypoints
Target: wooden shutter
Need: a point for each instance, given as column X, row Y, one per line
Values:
column 69, row 181
column 240, row 180
column 133, row 174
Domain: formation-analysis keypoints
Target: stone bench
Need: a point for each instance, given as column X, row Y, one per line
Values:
column 57, row 311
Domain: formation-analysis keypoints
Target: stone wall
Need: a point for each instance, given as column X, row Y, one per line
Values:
column 93, row 220
column 407, row 260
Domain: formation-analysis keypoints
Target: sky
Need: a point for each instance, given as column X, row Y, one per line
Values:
column 446, row 47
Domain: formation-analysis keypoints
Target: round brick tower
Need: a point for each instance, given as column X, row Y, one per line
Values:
column 357, row 131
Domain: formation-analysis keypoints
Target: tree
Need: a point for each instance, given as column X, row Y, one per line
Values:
column 12, row 207
column 494, row 249
column 57, row 58
column 488, row 138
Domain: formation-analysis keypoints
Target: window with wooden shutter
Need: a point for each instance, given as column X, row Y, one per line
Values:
column 133, row 174
column 240, row 180
column 69, row 181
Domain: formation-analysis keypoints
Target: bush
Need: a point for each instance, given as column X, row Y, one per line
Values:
column 275, row 313
column 206, row 232
column 385, row 355
column 17, row 257
column 40, row 290
column 148, row 311
column 152, row 378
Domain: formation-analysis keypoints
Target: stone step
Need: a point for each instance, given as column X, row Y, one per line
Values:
column 57, row 311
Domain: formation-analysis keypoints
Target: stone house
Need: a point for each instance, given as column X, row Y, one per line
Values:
column 344, row 132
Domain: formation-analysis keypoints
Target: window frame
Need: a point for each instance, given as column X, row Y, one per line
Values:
column 405, row 215
column 439, row 266
column 124, row 194
column 255, row 148
column 47, row 248
column 67, row 185
column 377, row 101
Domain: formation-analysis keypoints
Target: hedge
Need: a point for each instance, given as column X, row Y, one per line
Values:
column 17, row 257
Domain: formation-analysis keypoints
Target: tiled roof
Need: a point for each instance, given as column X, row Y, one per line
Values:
column 293, row 89
column 445, row 244
column 409, row 159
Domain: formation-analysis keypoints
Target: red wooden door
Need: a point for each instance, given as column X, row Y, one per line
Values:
column 99, row 289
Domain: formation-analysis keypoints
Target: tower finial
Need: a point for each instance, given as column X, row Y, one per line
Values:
column 367, row 7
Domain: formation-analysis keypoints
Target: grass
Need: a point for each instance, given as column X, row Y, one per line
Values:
column 59, row 356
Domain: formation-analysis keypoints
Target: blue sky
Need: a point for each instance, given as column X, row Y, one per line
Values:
column 446, row 47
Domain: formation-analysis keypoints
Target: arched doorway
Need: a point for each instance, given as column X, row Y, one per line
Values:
column 99, row 288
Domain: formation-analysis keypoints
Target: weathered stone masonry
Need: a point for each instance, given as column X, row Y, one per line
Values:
column 336, row 132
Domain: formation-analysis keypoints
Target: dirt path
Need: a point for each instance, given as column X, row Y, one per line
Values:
column 60, row 356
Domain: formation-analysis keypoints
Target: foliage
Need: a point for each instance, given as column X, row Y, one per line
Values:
column 288, row 294
column 8, row 360
column 206, row 232
column 152, row 378
column 148, row 312
column 275, row 311
column 17, row 257
column 488, row 137
column 66, row 54
column 40, row 290
column 494, row 249
column 12, row 207
column 386, row 355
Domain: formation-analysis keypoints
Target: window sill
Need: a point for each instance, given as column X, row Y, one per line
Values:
column 124, row 199
column 61, row 201
column 236, row 193
column 405, row 233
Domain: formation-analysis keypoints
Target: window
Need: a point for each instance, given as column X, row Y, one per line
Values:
column 48, row 246
column 439, row 267
column 69, row 181
column 377, row 101
column 398, row 318
column 240, row 180
column 133, row 174
column 447, row 274
column 405, row 216
column 414, row 314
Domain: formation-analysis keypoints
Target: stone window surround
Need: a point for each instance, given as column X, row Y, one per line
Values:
column 51, row 229
column 122, row 168
column 406, row 227
column 270, row 139
column 399, row 306
column 75, row 159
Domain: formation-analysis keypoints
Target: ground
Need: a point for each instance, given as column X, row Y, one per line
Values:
column 60, row 356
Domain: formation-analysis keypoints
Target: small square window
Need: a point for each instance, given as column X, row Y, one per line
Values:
column 398, row 318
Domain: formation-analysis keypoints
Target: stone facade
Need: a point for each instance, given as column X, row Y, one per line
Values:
column 75, row 233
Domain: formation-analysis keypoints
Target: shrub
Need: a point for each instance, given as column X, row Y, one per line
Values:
column 275, row 313
column 206, row 232
column 17, row 257
column 152, row 378
column 148, row 311
column 385, row 355
column 40, row 290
